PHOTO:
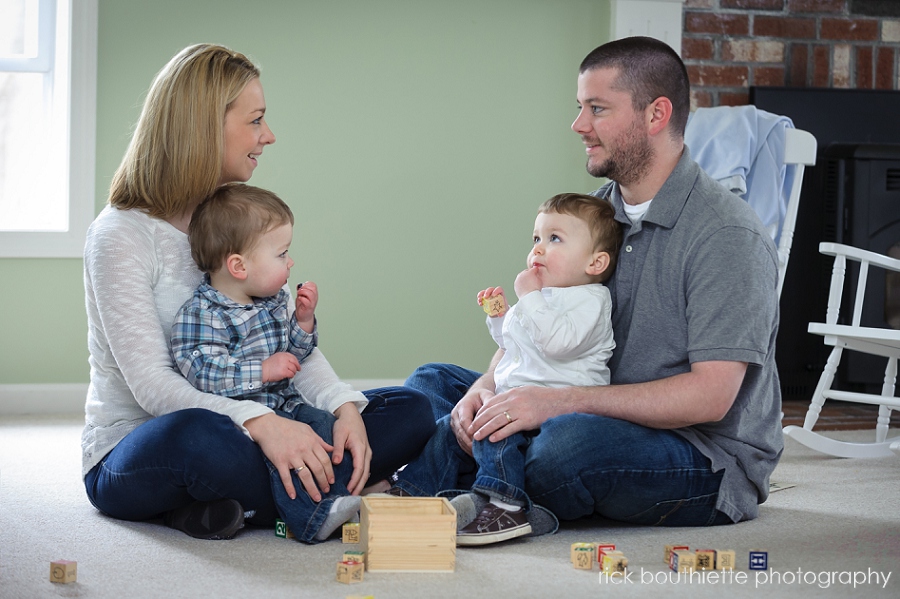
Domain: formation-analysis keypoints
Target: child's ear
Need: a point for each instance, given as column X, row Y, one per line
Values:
column 599, row 263
column 236, row 267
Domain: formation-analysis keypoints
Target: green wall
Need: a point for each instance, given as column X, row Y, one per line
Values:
column 415, row 139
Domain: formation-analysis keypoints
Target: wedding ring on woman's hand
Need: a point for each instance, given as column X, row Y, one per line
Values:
column 299, row 469
column 508, row 417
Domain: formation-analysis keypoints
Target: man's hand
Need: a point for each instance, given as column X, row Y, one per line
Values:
column 350, row 433
column 279, row 366
column 305, row 308
column 517, row 410
column 530, row 279
column 464, row 412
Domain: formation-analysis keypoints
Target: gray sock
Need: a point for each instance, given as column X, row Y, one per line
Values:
column 341, row 511
column 467, row 506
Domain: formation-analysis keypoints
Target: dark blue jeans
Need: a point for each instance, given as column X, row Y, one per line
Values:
column 578, row 465
column 199, row 455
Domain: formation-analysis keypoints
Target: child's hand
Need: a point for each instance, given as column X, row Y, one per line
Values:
column 305, row 311
column 486, row 295
column 280, row 366
column 530, row 279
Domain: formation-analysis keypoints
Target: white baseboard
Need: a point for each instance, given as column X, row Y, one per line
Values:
column 68, row 398
column 62, row 398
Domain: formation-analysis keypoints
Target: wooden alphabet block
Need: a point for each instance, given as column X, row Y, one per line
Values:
column 64, row 571
column 494, row 306
column 725, row 559
column 350, row 572
column 614, row 562
column 670, row 549
column 683, row 561
column 706, row 559
column 602, row 548
column 350, row 532
column 576, row 546
column 354, row 556
column 583, row 558
column 281, row 529
column 759, row 560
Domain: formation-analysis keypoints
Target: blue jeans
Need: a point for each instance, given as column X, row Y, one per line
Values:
column 199, row 455
column 580, row 465
column 497, row 469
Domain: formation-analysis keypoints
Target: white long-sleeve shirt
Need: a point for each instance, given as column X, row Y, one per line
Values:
column 138, row 272
column 558, row 337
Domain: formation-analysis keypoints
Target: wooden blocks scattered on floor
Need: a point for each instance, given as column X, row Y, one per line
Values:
column 282, row 531
column 583, row 556
column 401, row 534
column 494, row 305
column 64, row 571
column 350, row 572
column 350, row 532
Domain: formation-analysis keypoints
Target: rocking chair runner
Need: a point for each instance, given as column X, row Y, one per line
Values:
column 878, row 341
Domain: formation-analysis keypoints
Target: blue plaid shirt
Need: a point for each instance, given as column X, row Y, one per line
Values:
column 219, row 345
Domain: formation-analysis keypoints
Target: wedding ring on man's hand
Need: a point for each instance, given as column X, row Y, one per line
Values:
column 508, row 417
column 299, row 469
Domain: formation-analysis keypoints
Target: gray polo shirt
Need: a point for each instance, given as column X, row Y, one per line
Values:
column 696, row 281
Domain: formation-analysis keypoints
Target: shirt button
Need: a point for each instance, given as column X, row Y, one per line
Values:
column 627, row 248
column 195, row 353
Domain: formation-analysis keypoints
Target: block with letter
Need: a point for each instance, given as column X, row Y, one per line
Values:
column 350, row 532
column 613, row 562
column 670, row 549
column 602, row 548
column 354, row 556
column 64, row 571
column 350, row 572
column 575, row 546
column 494, row 305
column 583, row 557
column 706, row 559
column 683, row 561
column 725, row 559
column 281, row 529
column 759, row 560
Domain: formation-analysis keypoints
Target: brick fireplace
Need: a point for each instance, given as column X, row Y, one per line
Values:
column 731, row 45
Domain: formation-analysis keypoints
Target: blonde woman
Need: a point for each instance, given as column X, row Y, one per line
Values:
column 153, row 445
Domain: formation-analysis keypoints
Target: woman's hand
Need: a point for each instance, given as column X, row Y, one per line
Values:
column 350, row 433
column 292, row 445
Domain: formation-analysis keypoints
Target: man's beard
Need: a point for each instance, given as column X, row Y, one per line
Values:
column 629, row 158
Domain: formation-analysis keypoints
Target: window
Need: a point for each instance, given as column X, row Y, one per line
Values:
column 48, row 58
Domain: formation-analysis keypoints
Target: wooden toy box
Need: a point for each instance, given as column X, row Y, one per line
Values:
column 401, row 534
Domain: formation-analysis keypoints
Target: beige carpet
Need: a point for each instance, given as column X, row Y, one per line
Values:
column 836, row 533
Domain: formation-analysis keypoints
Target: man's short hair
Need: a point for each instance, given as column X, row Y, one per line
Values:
column 648, row 69
column 232, row 221
column 599, row 215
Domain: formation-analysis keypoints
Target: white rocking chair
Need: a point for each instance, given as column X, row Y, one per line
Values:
column 877, row 341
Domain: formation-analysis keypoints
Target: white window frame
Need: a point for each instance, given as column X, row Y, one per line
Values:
column 82, row 119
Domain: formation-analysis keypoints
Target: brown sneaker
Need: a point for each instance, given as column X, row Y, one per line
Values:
column 492, row 525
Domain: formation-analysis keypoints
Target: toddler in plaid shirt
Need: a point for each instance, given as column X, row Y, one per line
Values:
column 237, row 336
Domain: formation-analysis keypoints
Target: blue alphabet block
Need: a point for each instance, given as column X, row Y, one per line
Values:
column 759, row 560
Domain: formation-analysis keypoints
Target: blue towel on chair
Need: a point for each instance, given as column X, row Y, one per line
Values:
column 742, row 147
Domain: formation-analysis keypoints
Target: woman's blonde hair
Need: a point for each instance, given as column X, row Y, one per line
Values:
column 176, row 155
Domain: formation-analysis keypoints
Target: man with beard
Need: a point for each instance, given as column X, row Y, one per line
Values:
column 689, row 431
